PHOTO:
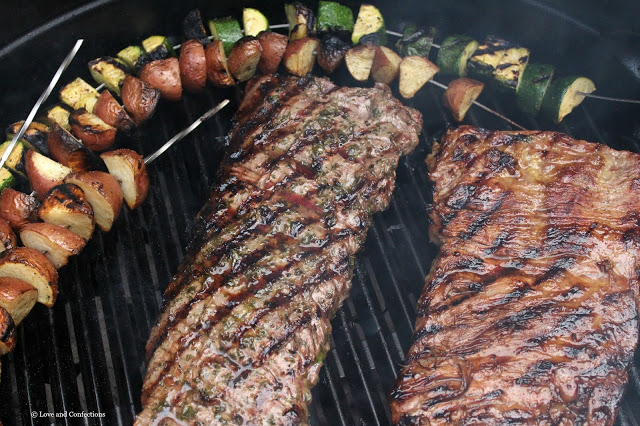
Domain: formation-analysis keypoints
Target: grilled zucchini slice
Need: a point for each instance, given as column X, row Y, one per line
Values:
column 192, row 27
column 334, row 18
column 7, row 180
column 109, row 72
column 15, row 161
column 35, row 137
column 534, row 83
column 254, row 22
column 499, row 61
column 416, row 41
column 227, row 30
column 58, row 114
column 369, row 21
column 79, row 94
column 454, row 54
column 302, row 21
column 158, row 47
column 564, row 94
column 134, row 57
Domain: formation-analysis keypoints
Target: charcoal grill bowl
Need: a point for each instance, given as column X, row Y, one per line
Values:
column 86, row 354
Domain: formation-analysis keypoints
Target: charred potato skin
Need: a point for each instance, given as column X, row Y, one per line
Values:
column 7, row 332
column 94, row 133
column 331, row 53
column 273, row 47
column 106, row 187
column 140, row 183
column 112, row 113
column 193, row 66
column 68, row 151
column 139, row 99
column 217, row 68
column 164, row 75
column 244, row 57
column 8, row 238
column 300, row 56
column 69, row 200
column 32, row 258
column 18, row 208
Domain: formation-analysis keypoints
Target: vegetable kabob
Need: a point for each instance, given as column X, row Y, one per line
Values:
column 58, row 219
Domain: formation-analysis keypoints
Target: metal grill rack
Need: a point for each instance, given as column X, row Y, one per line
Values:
column 87, row 353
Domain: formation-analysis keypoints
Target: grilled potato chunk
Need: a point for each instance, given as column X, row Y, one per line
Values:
column 193, row 66
column 300, row 55
column 331, row 53
column 104, row 194
column 55, row 242
column 273, row 47
column 112, row 113
column 18, row 297
column 44, row 173
column 460, row 95
column 386, row 64
column 66, row 205
column 18, row 208
column 128, row 168
column 244, row 57
column 94, row 133
column 359, row 60
column 415, row 71
column 33, row 267
column 70, row 152
column 7, row 332
column 139, row 98
column 217, row 68
column 164, row 75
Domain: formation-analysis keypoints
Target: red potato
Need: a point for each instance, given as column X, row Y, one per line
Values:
column 139, row 99
column 33, row 267
column 359, row 60
column 300, row 56
column 415, row 72
column 7, row 332
column 193, row 66
column 18, row 297
column 66, row 205
column 70, row 152
column 44, row 173
column 55, row 242
column 386, row 64
column 273, row 47
column 164, row 75
column 8, row 239
column 104, row 194
column 244, row 57
column 460, row 95
column 18, row 208
column 94, row 133
column 128, row 168
column 112, row 113
column 217, row 67
column 331, row 53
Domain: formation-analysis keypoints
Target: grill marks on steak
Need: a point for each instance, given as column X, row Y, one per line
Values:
column 530, row 311
column 246, row 324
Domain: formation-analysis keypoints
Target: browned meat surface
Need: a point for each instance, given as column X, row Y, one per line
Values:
column 529, row 314
column 247, row 320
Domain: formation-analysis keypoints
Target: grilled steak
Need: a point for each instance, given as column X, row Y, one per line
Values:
column 246, row 324
column 529, row 314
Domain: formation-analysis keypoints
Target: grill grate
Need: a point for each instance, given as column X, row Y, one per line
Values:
column 87, row 353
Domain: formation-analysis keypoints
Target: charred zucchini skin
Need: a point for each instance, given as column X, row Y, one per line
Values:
column 334, row 18
column 499, row 62
column 158, row 47
column 108, row 71
column 302, row 21
column 534, row 83
column 227, row 30
column 192, row 27
column 454, row 54
column 35, row 137
column 134, row 57
column 416, row 41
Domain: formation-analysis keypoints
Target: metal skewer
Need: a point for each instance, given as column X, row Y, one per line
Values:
column 39, row 102
column 609, row 98
column 186, row 131
column 486, row 108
